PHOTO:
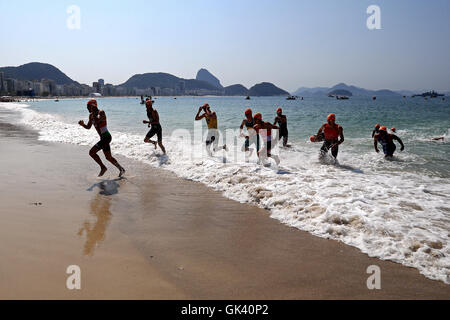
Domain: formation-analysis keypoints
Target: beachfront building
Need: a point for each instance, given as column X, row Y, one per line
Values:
column 2, row 82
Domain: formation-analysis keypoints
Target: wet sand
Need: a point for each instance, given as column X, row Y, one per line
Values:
column 153, row 235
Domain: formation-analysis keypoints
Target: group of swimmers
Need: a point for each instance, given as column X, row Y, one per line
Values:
column 331, row 133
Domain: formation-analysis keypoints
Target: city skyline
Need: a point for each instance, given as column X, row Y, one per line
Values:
column 287, row 43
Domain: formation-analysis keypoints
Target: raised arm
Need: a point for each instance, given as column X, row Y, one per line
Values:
column 198, row 116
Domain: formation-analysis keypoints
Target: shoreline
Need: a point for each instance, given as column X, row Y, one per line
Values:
column 176, row 244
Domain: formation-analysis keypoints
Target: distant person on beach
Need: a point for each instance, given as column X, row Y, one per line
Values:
column 98, row 119
column 252, row 137
column 375, row 131
column 265, row 130
column 281, row 120
column 333, row 135
column 153, row 122
column 387, row 141
column 213, row 132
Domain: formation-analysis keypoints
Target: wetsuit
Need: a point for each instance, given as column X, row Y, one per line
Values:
column 254, row 138
column 283, row 128
column 105, row 136
column 331, row 136
column 388, row 144
column 155, row 129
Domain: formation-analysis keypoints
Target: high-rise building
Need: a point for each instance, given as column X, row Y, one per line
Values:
column 181, row 87
column 96, row 87
column 101, row 82
column 2, row 84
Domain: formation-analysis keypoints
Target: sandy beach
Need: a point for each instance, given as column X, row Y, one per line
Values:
column 153, row 235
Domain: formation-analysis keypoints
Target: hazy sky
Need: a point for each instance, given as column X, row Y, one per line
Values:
column 290, row 43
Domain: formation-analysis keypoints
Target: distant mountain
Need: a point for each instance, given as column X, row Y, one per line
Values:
column 364, row 92
column 205, row 75
column 236, row 90
column 408, row 92
column 164, row 80
column 37, row 71
column 356, row 91
column 341, row 92
column 266, row 89
column 310, row 92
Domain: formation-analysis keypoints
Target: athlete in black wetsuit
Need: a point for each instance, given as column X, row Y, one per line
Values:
column 281, row 120
column 156, row 128
column 252, row 137
column 387, row 141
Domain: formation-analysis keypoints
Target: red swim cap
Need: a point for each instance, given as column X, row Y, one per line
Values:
column 377, row 126
column 148, row 103
column 92, row 102
column 331, row 116
column 383, row 128
column 312, row 139
column 393, row 129
column 279, row 110
column 257, row 116
column 205, row 105
column 248, row 111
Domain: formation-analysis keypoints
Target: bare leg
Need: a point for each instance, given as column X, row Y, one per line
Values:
column 94, row 155
column 162, row 147
column 111, row 159
column 147, row 140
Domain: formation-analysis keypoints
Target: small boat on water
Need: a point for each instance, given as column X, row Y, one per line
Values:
column 291, row 98
column 342, row 98
column 248, row 98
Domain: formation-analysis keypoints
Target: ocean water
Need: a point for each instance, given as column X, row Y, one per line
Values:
column 396, row 210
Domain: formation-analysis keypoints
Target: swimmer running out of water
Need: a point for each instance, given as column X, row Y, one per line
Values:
column 333, row 135
column 213, row 133
column 252, row 137
column 153, row 122
column 98, row 119
column 265, row 130
column 387, row 141
column 281, row 120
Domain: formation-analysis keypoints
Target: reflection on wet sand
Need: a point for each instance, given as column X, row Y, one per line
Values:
column 100, row 210
column 95, row 232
